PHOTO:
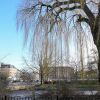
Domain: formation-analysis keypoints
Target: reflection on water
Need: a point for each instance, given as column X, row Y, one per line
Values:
column 86, row 92
column 24, row 93
column 21, row 93
column 90, row 92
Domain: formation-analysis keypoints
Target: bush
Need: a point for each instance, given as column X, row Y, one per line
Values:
column 3, row 83
column 64, row 89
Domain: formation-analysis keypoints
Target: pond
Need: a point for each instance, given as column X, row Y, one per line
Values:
column 86, row 92
column 20, row 93
column 26, row 93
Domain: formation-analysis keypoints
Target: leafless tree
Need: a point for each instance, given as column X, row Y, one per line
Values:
column 57, row 17
column 26, row 76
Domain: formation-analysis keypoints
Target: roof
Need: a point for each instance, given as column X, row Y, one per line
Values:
column 6, row 66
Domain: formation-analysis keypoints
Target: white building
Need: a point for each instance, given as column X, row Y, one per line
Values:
column 9, row 70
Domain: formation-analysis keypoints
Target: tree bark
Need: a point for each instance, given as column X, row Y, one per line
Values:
column 96, row 38
column 41, row 74
column 98, row 47
column 99, row 66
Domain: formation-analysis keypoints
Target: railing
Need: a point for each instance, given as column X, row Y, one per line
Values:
column 76, row 97
column 16, row 98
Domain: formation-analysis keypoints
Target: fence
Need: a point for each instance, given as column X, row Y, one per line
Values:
column 76, row 97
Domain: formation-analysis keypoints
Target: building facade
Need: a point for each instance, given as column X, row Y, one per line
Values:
column 59, row 73
column 9, row 70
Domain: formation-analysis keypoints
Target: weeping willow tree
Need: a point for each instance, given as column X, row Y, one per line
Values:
column 62, row 20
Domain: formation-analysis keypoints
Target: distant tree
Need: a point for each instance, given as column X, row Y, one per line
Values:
column 50, row 16
column 26, row 76
column 42, row 70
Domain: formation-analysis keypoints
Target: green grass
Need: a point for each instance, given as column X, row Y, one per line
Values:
column 87, row 87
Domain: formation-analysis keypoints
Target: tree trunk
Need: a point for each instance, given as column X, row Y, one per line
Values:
column 96, row 38
column 41, row 74
column 99, row 67
column 98, row 47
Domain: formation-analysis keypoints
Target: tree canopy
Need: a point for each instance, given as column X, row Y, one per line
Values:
column 60, row 22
